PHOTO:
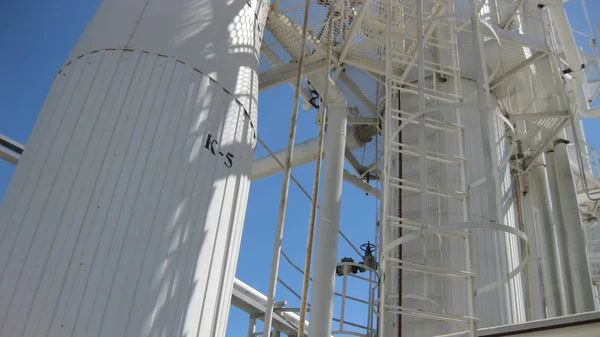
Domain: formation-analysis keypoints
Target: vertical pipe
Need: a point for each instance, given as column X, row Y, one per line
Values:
column 370, row 306
column 329, row 223
column 423, row 177
column 524, row 248
column 549, row 253
column 576, row 273
column 400, row 215
column 386, row 168
column 343, row 304
column 251, row 327
column 315, row 189
column 483, row 99
column 560, row 260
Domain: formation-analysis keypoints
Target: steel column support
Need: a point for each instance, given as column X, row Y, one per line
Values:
column 251, row 327
column 329, row 222
column 547, row 237
column 382, row 329
column 483, row 92
column 576, row 273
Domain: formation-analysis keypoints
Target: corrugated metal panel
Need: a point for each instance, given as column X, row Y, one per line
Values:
column 220, row 38
column 120, row 219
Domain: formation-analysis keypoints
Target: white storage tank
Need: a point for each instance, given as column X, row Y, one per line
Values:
column 125, row 213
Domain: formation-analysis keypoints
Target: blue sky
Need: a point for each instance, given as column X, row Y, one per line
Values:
column 37, row 35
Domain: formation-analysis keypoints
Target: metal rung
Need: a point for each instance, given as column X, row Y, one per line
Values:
column 416, row 154
column 416, row 86
column 430, row 65
column 348, row 323
column 435, row 70
column 440, row 2
column 413, row 14
column 447, row 45
column 429, row 122
column 418, row 190
column 430, row 189
column 413, row 189
column 417, row 226
column 421, row 268
column 404, row 85
column 431, row 153
column 415, row 92
column 404, row 223
column 429, row 314
column 436, row 156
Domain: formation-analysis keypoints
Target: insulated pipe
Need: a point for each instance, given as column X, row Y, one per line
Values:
column 266, row 166
column 304, row 153
column 557, row 215
column 258, row 297
column 547, row 237
column 329, row 214
column 361, row 185
column 576, row 273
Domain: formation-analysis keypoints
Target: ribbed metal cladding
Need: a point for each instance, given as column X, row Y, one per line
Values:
column 124, row 216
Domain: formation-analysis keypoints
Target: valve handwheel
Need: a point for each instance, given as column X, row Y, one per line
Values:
column 368, row 248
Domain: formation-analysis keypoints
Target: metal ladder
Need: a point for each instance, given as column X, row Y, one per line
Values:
column 436, row 112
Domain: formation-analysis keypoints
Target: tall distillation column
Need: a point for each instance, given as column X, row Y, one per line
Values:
column 125, row 214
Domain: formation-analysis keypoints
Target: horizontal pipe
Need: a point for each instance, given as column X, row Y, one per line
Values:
column 10, row 150
column 304, row 153
column 266, row 166
column 243, row 294
column 362, row 185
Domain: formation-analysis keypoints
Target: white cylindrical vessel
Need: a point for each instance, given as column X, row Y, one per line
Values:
column 125, row 214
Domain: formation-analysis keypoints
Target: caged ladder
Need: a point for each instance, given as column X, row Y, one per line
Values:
column 417, row 174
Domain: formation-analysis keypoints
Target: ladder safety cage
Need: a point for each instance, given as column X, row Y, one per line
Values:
column 423, row 183
column 418, row 122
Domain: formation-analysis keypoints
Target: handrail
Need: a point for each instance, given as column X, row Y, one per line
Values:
column 579, row 155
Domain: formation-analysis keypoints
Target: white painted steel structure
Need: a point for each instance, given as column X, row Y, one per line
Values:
column 452, row 113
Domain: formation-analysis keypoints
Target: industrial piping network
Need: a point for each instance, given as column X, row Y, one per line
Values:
column 101, row 210
column 254, row 303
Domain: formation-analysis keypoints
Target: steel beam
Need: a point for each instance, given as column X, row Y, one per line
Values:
column 360, row 95
column 541, row 115
column 526, row 63
column 10, row 150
